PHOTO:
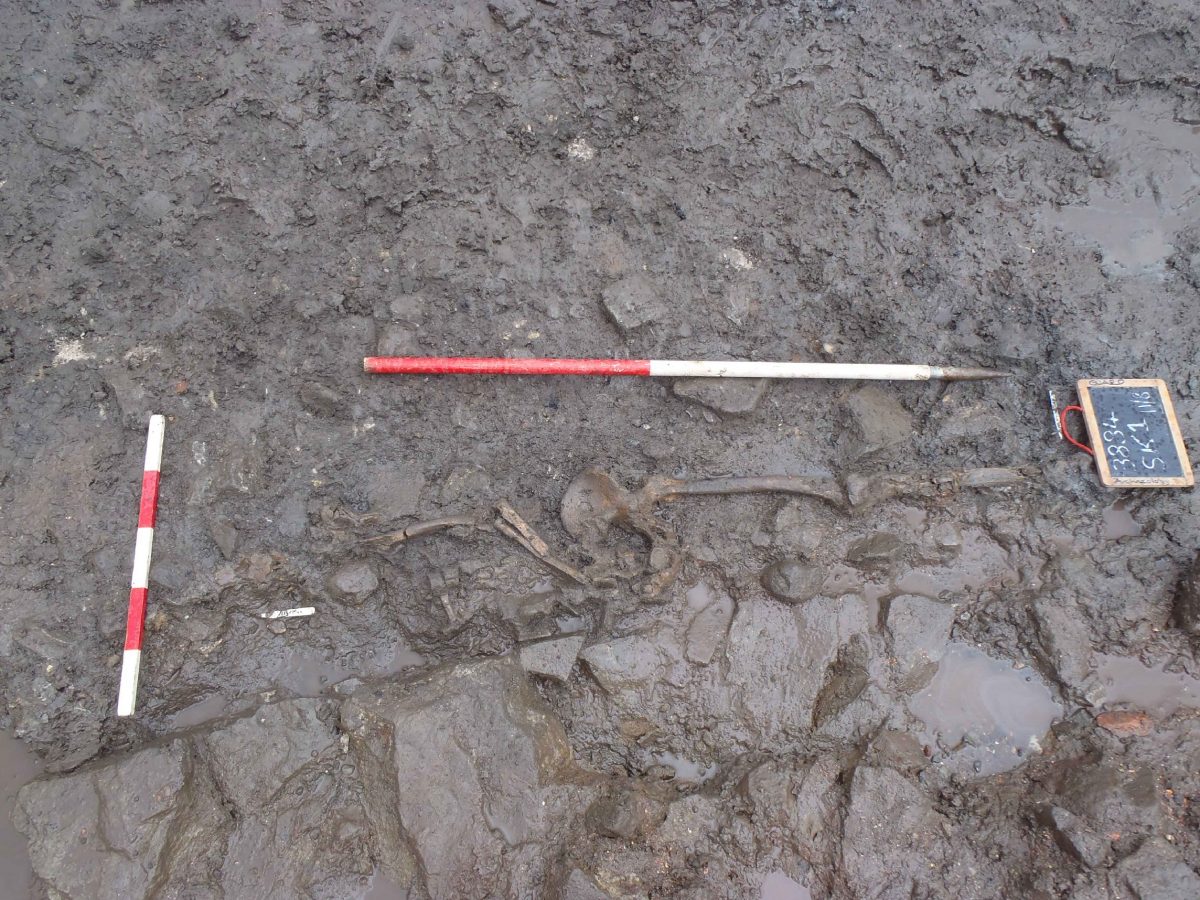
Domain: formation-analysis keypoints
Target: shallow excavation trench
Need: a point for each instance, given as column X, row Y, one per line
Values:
column 594, row 502
column 224, row 781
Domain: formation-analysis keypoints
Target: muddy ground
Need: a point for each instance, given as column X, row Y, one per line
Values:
column 908, row 680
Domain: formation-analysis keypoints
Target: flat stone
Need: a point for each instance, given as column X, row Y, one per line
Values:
column 580, row 887
column 877, row 421
column 249, row 809
column 397, row 340
column 1115, row 798
column 1074, row 837
column 320, row 399
column 285, row 773
column 845, row 680
column 100, row 834
column 478, row 773
column 625, row 814
column 728, row 396
column 258, row 754
column 898, row 750
column 631, row 303
column 224, row 535
column 554, row 658
column 354, row 580
column 890, row 832
column 920, row 631
column 708, row 628
column 778, row 657
column 624, row 663
column 792, row 581
column 876, row 551
column 1157, row 872
column 801, row 798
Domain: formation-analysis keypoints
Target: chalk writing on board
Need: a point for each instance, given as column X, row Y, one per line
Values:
column 1130, row 446
column 1135, row 433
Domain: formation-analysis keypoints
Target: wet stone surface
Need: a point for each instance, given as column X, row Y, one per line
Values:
column 952, row 666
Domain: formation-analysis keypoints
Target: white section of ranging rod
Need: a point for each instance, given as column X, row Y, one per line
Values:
column 699, row 368
column 142, row 548
column 131, row 666
column 154, row 444
column 289, row 613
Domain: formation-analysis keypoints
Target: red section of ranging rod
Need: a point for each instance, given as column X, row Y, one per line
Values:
column 450, row 365
column 135, row 619
column 148, row 508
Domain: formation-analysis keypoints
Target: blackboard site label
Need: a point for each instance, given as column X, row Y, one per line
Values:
column 1134, row 433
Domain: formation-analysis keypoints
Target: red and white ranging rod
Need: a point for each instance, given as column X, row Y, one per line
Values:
column 135, row 623
column 668, row 368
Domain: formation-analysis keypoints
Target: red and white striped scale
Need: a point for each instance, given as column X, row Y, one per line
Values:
column 667, row 368
column 135, row 623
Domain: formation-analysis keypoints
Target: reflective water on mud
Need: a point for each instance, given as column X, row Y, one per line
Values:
column 686, row 769
column 981, row 715
column 1125, row 681
column 778, row 886
column 1134, row 217
column 17, row 768
column 1119, row 523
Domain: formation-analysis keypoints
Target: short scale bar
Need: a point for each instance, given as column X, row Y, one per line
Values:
column 135, row 622
column 669, row 368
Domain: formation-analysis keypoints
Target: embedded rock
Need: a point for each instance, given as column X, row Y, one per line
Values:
column 729, row 396
column 791, row 581
column 554, row 658
column 472, row 772
column 632, row 303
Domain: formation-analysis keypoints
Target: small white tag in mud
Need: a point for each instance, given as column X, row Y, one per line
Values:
column 289, row 613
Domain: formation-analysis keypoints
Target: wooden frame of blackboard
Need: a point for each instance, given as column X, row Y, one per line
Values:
column 1187, row 479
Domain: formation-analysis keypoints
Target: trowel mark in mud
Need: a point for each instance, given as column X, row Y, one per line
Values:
column 981, row 714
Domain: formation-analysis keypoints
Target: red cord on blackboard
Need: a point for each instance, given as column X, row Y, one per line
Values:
column 1062, row 421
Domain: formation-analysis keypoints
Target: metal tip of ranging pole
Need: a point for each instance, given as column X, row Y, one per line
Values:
column 670, row 368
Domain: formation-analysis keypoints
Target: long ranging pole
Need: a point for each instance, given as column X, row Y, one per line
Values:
column 669, row 368
column 135, row 620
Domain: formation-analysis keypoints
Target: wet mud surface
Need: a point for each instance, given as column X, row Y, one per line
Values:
column 556, row 650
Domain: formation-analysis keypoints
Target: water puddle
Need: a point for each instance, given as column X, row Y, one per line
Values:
column 685, row 769
column 1125, row 681
column 778, row 886
column 1118, row 523
column 17, row 768
column 383, row 888
column 1134, row 214
column 207, row 709
column 982, row 715
column 843, row 579
column 309, row 672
